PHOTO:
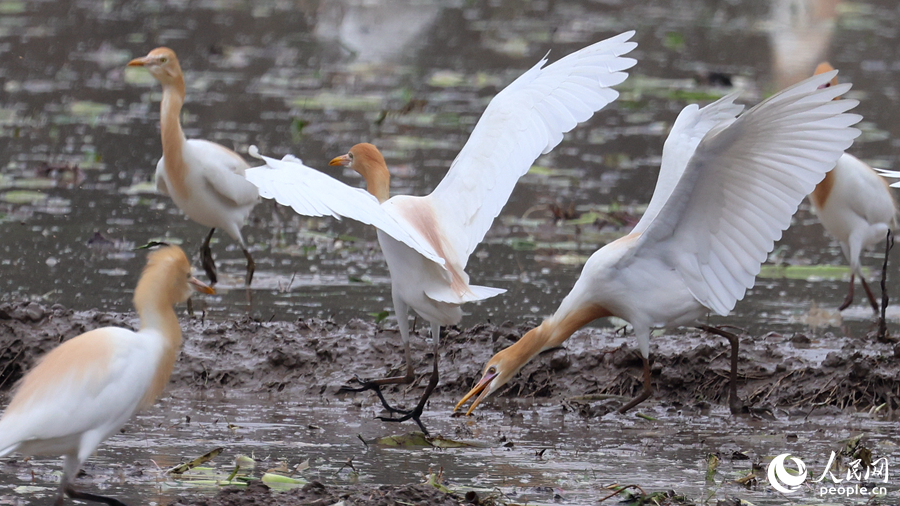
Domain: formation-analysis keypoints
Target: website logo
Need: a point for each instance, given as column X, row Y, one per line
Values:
column 782, row 479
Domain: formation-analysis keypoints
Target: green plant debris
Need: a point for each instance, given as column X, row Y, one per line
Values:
column 144, row 187
column 86, row 109
column 282, row 482
column 380, row 316
column 31, row 183
column 674, row 41
column 340, row 102
column 23, row 197
column 420, row 440
column 805, row 272
column 206, row 457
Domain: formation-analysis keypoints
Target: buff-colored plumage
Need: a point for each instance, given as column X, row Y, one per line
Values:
column 85, row 389
column 205, row 180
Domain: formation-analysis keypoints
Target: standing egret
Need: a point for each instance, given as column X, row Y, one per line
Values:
column 205, row 180
column 428, row 240
column 855, row 206
column 85, row 389
column 727, row 188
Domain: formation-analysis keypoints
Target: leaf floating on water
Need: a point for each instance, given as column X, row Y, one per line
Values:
column 180, row 469
column 146, row 187
column 281, row 481
column 805, row 272
column 23, row 197
column 418, row 440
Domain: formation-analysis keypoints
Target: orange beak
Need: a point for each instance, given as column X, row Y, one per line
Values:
column 481, row 387
column 200, row 286
column 138, row 62
column 826, row 67
column 340, row 160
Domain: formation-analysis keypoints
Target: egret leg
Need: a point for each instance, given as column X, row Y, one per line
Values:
column 849, row 298
column 872, row 301
column 401, row 309
column 882, row 322
column 734, row 402
column 645, row 392
column 416, row 412
column 251, row 267
column 71, row 464
column 84, row 496
column 206, row 259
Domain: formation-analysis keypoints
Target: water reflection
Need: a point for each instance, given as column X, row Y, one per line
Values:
column 801, row 33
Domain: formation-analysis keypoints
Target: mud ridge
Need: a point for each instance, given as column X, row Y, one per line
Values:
column 315, row 357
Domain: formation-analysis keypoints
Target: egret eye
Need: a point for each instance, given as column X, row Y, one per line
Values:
column 492, row 370
column 350, row 155
column 163, row 60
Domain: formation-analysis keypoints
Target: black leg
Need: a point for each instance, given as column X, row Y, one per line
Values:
column 416, row 412
column 645, row 392
column 251, row 267
column 375, row 385
column 734, row 402
column 882, row 322
column 206, row 259
column 84, row 496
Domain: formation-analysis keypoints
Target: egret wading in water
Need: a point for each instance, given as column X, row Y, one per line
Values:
column 427, row 240
column 85, row 389
column 727, row 188
column 855, row 205
column 204, row 179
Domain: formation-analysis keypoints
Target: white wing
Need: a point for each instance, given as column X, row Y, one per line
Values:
column 743, row 184
column 223, row 171
column 886, row 173
column 526, row 119
column 689, row 129
column 313, row 193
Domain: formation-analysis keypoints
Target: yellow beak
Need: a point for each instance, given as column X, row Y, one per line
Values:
column 200, row 286
column 138, row 62
column 481, row 387
column 340, row 160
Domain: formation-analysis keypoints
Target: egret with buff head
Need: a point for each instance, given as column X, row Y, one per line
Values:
column 427, row 240
column 727, row 188
column 204, row 179
column 85, row 389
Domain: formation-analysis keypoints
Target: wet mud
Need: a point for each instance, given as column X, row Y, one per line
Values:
column 780, row 376
column 317, row 494
column 314, row 358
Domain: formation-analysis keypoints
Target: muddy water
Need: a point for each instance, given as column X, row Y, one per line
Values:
column 313, row 78
column 535, row 455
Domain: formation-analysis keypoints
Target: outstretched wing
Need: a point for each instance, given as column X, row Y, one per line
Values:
column 742, row 185
column 313, row 193
column 689, row 129
column 526, row 119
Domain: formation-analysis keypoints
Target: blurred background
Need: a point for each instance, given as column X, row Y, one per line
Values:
column 79, row 138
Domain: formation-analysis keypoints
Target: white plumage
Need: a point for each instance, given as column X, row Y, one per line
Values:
column 427, row 240
column 727, row 189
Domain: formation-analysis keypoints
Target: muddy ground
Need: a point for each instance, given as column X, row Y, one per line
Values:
column 796, row 374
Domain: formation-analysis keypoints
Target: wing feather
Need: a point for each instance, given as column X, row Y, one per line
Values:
column 691, row 125
column 740, row 185
column 313, row 193
column 526, row 119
